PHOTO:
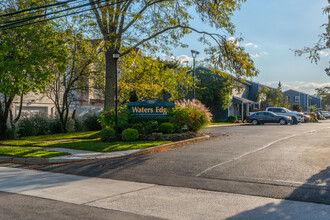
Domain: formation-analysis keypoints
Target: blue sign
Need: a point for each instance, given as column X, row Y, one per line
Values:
column 150, row 108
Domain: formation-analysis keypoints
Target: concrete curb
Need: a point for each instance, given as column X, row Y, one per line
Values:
column 162, row 147
column 227, row 125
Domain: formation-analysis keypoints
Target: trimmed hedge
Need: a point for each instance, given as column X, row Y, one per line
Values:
column 108, row 134
column 130, row 134
column 166, row 128
column 232, row 119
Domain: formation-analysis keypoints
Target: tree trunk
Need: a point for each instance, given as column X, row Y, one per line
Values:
column 3, row 127
column 63, row 122
column 109, row 101
column 4, row 118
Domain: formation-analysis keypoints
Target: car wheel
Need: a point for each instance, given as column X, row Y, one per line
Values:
column 282, row 122
column 295, row 121
column 255, row 122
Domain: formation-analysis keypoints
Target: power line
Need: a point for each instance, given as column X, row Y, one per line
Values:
column 22, row 20
column 56, row 17
column 36, row 8
column 37, row 16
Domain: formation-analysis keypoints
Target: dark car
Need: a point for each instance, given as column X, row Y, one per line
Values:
column 268, row 117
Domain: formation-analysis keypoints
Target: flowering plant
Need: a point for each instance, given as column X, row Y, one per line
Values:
column 192, row 115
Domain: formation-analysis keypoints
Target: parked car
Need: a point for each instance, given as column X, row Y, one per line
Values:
column 326, row 114
column 296, row 116
column 307, row 118
column 268, row 117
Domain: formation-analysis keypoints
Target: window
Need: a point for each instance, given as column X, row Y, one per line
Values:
column 297, row 99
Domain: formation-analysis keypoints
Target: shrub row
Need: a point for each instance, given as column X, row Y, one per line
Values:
column 41, row 125
column 187, row 115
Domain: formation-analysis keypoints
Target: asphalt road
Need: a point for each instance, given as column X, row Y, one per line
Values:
column 289, row 162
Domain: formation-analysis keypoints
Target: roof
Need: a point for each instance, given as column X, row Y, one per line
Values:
column 241, row 100
column 302, row 93
column 259, row 84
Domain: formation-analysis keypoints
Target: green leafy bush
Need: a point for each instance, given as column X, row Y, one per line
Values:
column 297, row 108
column 70, row 125
column 31, row 126
column 25, row 127
column 107, row 118
column 191, row 115
column 313, row 117
column 11, row 133
column 108, row 134
column 232, row 119
column 79, row 125
column 139, row 127
column 55, row 126
column 166, row 128
column 91, row 123
column 151, row 126
column 130, row 134
column 144, row 121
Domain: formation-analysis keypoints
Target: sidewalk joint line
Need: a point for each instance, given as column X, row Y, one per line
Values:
column 120, row 194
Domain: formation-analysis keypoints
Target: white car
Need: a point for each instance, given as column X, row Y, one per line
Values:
column 326, row 114
column 296, row 116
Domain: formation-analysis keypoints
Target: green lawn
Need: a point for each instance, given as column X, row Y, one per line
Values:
column 99, row 146
column 76, row 135
column 33, row 140
column 25, row 152
column 89, row 141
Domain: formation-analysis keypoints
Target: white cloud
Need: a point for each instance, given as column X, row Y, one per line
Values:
column 251, row 45
column 324, row 53
column 233, row 40
column 255, row 55
column 184, row 58
column 306, row 87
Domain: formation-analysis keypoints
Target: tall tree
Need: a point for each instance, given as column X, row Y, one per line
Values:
column 271, row 98
column 25, row 53
column 73, row 79
column 324, row 93
column 148, row 77
column 160, row 24
column 321, row 45
column 214, row 90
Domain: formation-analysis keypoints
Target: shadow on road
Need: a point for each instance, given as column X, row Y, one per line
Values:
column 315, row 190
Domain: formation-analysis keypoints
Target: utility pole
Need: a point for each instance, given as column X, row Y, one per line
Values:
column 194, row 54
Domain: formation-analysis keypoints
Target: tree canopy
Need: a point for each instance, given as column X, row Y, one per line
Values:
column 324, row 93
column 148, row 77
column 160, row 24
column 24, row 56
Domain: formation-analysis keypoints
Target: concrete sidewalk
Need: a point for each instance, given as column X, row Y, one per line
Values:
column 154, row 200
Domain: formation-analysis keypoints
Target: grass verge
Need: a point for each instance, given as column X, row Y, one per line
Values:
column 89, row 141
column 31, row 141
column 98, row 146
column 25, row 152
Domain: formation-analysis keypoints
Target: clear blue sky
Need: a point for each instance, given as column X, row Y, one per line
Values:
column 271, row 28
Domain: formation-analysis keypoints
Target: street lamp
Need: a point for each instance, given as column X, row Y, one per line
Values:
column 116, row 56
column 194, row 54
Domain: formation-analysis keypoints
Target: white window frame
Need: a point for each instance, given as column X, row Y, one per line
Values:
column 297, row 99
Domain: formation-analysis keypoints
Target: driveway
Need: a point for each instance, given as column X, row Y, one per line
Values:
column 290, row 162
